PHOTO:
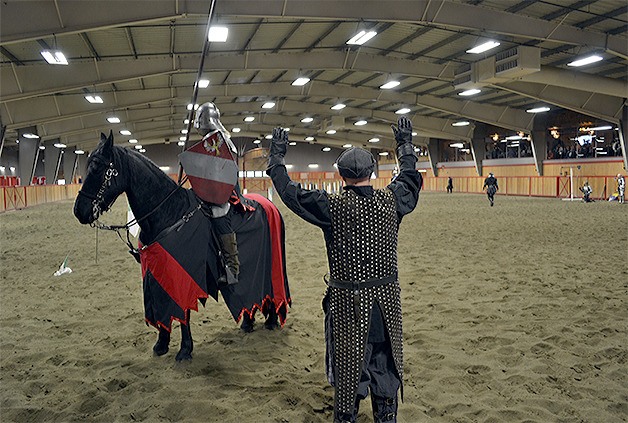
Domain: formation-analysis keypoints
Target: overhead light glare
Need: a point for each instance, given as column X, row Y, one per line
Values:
column 42, row 147
column 94, row 99
column 113, row 119
column 338, row 106
column 326, row 149
column 186, row 121
column 257, row 142
column 138, row 147
column 292, row 143
column 330, row 132
column 54, row 57
column 30, row 135
column 133, row 141
column 268, row 105
column 403, row 111
column 142, row 150
column 249, row 119
column 313, row 165
column 217, row 34
column 457, row 145
column 190, row 106
column 538, row 110
column 586, row 61
column 601, row 128
column 268, row 137
column 181, row 138
column 236, row 130
column 184, row 131
column 361, row 37
column 299, row 82
column 125, row 132
column 390, row 84
column 203, row 83
column 347, row 146
column 472, row 91
column 181, row 143
column 289, row 166
column 360, row 123
column 79, row 152
column 309, row 138
column 461, row 123
column 307, row 119
column 374, row 140
column 60, row 145
column 483, row 47
column 383, row 153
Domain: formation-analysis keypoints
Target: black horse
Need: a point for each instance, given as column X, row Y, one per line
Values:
column 179, row 254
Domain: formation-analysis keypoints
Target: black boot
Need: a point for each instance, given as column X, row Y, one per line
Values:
column 229, row 246
column 384, row 409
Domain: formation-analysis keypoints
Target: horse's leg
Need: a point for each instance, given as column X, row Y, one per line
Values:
column 272, row 321
column 185, row 353
column 247, row 323
column 161, row 346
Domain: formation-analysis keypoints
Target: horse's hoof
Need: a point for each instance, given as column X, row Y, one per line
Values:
column 158, row 351
column 247, row 323
column 183, row 356
column 271, row 324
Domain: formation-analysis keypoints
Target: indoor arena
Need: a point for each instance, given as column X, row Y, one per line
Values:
column 182, row 169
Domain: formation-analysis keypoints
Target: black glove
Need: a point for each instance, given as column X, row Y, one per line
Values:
column 278, row 147
column 403, row 131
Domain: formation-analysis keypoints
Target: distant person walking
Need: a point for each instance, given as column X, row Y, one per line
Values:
column 450, row 185
column 621, row 187
column 490, row 183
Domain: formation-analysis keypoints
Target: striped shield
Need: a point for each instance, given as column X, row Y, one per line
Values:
column 211, row 168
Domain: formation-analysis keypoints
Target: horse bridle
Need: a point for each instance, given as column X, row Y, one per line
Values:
column 99, row 198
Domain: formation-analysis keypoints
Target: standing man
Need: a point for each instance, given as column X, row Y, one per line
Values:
column 586, row 192
column 621, row 187
column 450, row 185
column 490, row 183
column 362, row 304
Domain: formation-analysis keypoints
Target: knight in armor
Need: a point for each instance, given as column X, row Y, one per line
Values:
column 490, row 184
column 450, row 185
column 586, row 192
column 621, row 187
column 207, row 122
column 362, row 306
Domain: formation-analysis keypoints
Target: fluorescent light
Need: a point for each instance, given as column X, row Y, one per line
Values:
column 54, row 57
column 164, row 168
column 12, row 168
column 268, row 137
column 299, row 82
column 268, row 105
column 483, row 47
column 181, row 143
column 286, row 129
column 249, row 119
column 292, row 143
column 2, row 168
column 361, row 37
column 330, row 132
column 326, row 149
column 125, row 132
column 414, row 134
column 383, row 153
column 186, row 121
column 289, row 166
column 360, row 123
column 309, row 138
column 457, row 145
column 601, row 128
column 203, row 83
column 142, row 150
column 184, row 131
column 138, row 147
column 42, row 147
column 538, row 110
column 338, row 106
column 374, row 140
column 461, row 123
column 60, row 145
column 514, row 137
column 586, row 61
column 133, row 141
column 190, row 106
column 257, row 141
column 79, row 152
column 236, row 130
column 93, row 98
column 307, row 119
column 403, row 111
column 390, row 84
column 113, row 119
column 181, row 138
column 313, row 165
column 30, row 135
column 472, row 91
column 347, row 146
column 217, row 34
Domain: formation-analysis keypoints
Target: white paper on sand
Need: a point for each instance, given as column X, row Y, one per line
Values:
column 63, row 269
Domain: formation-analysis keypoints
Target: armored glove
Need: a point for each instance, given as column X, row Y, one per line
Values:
column 403, row 136
column 278, row 147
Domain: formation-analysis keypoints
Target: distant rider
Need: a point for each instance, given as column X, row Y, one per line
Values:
column 490, row 183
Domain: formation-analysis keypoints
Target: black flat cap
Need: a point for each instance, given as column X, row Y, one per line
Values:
column 355, row 163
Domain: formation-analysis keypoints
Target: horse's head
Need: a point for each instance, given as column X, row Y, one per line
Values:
column 100, row 185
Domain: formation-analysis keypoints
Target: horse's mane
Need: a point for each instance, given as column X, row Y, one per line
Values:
column 137, row 162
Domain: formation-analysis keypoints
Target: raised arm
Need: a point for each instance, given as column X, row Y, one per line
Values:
column 310, row 205
column 407, row 184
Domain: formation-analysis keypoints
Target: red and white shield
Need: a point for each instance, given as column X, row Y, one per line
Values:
column 211, row 168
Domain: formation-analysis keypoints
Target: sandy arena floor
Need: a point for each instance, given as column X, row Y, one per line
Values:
column 515, row 313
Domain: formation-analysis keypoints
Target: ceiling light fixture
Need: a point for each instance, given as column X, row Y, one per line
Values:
column 307, row 119
column 483, row 47
column 30, row 135
column 383, row 153
column 60, row 145
column 538, row 110
column 181, row 138
column 54, row 57
column 94, row 99
column 374, row 140
column 181, row 143
column 42, row 147
column 268, row 105
column 338, row 106
column 390, row 84
column 360, row 123
column 138, row 147
column 190, row 106
column 236, row 130
column 268, row 137
column 347, row 146
column 585, row 61
column 299, row 82
column 143, row 150
column 79, row 152
column 461, row 123
column 292, row 143
column 203, row 83
column 361, row 37
column 330, row 132
column 217, row 34
column 309, row 138
column 457, row 145
column 249, row 119
column 326, row 149
column 313, row 165
column 257, row 142
column 402, row 111
column 113, row 119
column 125, row 132
column 184, row 131
column 472, row 91
column 133, row 141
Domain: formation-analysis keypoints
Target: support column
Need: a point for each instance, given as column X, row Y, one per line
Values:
column 538, row 140
column 27, row 156
column 478, row 145
column 3, row 131
column 52, row 161
column 623, row 135
column 433, row 150
column 69, row 165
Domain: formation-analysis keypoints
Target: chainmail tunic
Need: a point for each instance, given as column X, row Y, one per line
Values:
column 362, row 246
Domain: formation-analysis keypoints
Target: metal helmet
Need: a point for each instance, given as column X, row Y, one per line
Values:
column 207, row 119
column 491, row 174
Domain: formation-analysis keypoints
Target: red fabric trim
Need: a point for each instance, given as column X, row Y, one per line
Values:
column 173, row 278
column 274, row 223
column 265, row 301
